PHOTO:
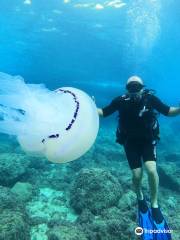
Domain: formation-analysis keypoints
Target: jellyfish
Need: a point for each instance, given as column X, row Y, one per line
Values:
column 61, row 125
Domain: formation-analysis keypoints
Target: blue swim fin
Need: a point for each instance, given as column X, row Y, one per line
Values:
column 161, row 230
column 145, row 222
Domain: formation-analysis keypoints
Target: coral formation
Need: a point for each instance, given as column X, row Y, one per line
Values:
column 14, row 226
column 23, row 191
column 8, row 200
column 66, row 233
column 12, row 167
column 94, row 189
column 38, row 199
column 14, row 223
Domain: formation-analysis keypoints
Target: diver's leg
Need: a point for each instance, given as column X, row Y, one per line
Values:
column 153, row 185
column 153, row 180
column 134, row 159
column 133, row 155
column 137, row 175
column 149, row 157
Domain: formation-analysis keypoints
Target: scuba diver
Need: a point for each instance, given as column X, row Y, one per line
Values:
column 138, row 132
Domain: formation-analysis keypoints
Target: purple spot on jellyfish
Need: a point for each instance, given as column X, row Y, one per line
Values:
column 74, row 115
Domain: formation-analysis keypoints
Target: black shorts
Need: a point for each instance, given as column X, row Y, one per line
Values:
column 136, row 151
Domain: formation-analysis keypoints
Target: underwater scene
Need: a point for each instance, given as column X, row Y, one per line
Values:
column 68, row 178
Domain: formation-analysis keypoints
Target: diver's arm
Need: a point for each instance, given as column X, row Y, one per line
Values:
column 174, row 111
column 100, row 112
column 111, row 108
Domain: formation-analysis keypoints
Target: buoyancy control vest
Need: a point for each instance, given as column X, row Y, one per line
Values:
column 137, row 119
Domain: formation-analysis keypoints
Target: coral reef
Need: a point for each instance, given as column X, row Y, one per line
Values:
column 23, row 191
column 12, row 167
column 8, row 200
column 90, row 198
column 167, row 178
column 66, row 233
column 94, row 189
column 14, row 226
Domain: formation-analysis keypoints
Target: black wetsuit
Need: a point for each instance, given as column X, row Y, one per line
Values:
column 138, row 141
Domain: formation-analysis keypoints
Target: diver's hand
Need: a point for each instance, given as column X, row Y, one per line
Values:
column 100, row 112
column 93, row 98
column 174, row 111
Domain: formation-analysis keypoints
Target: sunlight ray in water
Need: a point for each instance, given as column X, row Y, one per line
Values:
column 96, row 4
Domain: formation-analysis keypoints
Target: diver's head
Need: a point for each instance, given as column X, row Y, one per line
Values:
column 135, row 86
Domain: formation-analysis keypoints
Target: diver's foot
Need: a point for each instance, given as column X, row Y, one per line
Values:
column 142, row 204
column 157, row 215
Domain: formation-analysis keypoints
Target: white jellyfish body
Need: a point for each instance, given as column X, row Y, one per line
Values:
column 79, row 129
column 61, row 125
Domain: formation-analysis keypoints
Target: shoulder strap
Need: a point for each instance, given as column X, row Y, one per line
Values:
column 147, row 94
column 125, row 97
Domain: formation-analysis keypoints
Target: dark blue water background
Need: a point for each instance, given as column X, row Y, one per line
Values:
column 60, row 43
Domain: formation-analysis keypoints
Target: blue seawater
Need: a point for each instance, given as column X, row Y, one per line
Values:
column 95, row 46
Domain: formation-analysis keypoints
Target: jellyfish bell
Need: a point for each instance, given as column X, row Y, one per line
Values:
column 79, row 131
column 61, row 125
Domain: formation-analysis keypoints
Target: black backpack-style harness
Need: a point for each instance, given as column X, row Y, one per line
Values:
column 148, row 116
